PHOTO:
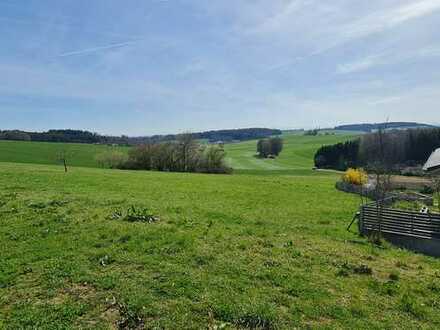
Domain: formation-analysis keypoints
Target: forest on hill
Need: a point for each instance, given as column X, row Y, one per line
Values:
column 399, row 148
column 386, row 126
column 79, row 136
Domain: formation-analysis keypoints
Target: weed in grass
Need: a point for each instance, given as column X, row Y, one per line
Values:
column 129, row 318
column 105, row 260
column 346, row 269
column 134, row 214
column 434, row 286
column 410, row 305
column 376, row 239
column 124, row 239
column 288, row 244
column 208, row 227
column 57, row 203
column 246, row 317
column 390, row 288
column 271, row 264
column 363, row 270
column 401, row 264
column 296, row 254
column 37, row 205
column 255, row 321
column 394, row 276
column 343, row 272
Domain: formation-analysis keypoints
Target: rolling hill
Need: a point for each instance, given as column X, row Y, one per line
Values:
column 376, row 126
column 256, row 250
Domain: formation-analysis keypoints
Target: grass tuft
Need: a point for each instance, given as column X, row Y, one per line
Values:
column 134, row 214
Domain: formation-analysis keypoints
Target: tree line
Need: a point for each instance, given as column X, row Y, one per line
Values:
column 384, row 126
column 340, row 156
column 79, row 136
column 394, row 148
column 269, row 147
column 183, row 155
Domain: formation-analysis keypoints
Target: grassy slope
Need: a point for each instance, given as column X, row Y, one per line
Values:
column 46, row 153
column 240, row 251
column 296, row 158
column 297, row 155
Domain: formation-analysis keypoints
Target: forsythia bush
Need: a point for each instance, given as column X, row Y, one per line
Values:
column 355, row 176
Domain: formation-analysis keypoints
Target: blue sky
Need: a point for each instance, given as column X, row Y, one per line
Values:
column 165, row 66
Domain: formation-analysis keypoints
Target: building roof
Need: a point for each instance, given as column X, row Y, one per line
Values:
column 433, row 162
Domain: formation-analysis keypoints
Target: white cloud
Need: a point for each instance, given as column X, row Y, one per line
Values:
column 360, row 65
column 388, row 58
column 310, row 27
column 387, row 100
column 388, row 18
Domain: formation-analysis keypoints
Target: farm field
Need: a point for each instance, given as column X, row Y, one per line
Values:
column 298, row 155
column 264, row 248
column 296, row 158
column 45, row 153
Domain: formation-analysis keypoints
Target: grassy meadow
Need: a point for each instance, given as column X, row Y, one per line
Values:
column 78, row 154
column 296, row 157
column 265, row 248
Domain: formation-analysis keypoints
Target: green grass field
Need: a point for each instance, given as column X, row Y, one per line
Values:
column 296, row 158
column 242, row 251
column 46, row 152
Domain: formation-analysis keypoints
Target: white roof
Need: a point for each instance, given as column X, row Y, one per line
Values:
column 433, row 161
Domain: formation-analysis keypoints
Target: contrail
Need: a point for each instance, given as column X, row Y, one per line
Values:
column 97, row 49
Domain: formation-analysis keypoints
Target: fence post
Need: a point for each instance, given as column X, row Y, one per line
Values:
column 412, row 224
column 361, row 221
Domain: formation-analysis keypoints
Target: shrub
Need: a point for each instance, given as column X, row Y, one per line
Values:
column 111, row 159
column 184, row 155
column 269, row 148
column 355, row 176
column 427, row 190
column 212, row 160
column 312, row 132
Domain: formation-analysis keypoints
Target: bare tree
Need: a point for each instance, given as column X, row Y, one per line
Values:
column 63, row 156
column 380, row 162
column 187, row 147
column 435, row 184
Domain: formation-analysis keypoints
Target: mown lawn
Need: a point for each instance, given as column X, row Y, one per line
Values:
column 238, row 251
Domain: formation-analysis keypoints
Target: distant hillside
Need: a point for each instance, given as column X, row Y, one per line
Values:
column 373, row 127
column 78, row 136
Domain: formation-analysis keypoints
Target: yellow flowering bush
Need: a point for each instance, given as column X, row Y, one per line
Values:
column 355, row 176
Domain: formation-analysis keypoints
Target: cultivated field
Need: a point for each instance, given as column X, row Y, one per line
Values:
column 263, row 248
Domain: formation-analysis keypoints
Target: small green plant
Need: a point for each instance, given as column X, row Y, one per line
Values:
column 105, row 260
column 363, row 270
column 134, row 214
column 346, row 269
column 394, row 276
column 427, row 190
column 409, row 304
column 130, row 317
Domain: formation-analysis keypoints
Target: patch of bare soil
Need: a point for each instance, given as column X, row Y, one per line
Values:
column 409, row 182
